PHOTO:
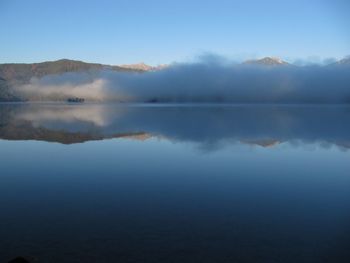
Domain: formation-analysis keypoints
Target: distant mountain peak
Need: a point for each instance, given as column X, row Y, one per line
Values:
column 269, row 61
column 143, row 67
column 344, row 61
column 139, row 66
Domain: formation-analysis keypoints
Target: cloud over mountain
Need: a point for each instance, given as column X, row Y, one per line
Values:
column 208, row 80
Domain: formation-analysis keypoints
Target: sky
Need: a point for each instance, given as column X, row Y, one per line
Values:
column 165, row 31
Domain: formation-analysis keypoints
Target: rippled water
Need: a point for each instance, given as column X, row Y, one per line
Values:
column 175, row 183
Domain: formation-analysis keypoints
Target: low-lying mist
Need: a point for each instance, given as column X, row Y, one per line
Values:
column 209, row 80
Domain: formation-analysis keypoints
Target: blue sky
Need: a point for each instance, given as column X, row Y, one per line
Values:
column 163, row 31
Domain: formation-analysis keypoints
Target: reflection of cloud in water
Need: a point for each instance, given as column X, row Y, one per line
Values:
column 94, row 114
column 208, row 126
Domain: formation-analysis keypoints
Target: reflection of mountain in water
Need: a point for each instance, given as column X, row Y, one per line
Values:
column 207, row 125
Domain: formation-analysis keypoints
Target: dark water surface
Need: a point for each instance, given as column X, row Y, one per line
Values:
column 175, row 183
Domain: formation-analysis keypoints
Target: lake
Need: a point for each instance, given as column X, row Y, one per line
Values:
column 175, row 183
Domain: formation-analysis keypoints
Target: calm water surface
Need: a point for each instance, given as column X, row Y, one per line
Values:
column 175, row 183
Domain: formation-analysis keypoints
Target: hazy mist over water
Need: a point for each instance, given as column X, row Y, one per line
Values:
column 210, row 79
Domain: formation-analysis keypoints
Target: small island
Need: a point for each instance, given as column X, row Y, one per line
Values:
column 76, row 100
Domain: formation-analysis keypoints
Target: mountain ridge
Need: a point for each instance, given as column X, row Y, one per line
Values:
column 24, row 71
column 12, row 74
column 267, row 61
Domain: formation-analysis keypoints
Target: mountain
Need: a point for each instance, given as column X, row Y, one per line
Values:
column 268, row 61
column 24, row 72
column 12, row 74
column 5, row 92
column 140, row 66
column 344, row 61
column 340, row 64
column 143, row 67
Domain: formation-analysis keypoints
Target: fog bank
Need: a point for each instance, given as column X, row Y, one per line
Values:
column 208, row 80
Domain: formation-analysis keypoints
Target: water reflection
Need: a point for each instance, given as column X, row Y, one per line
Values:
column 209, row 126
column 163, row 201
